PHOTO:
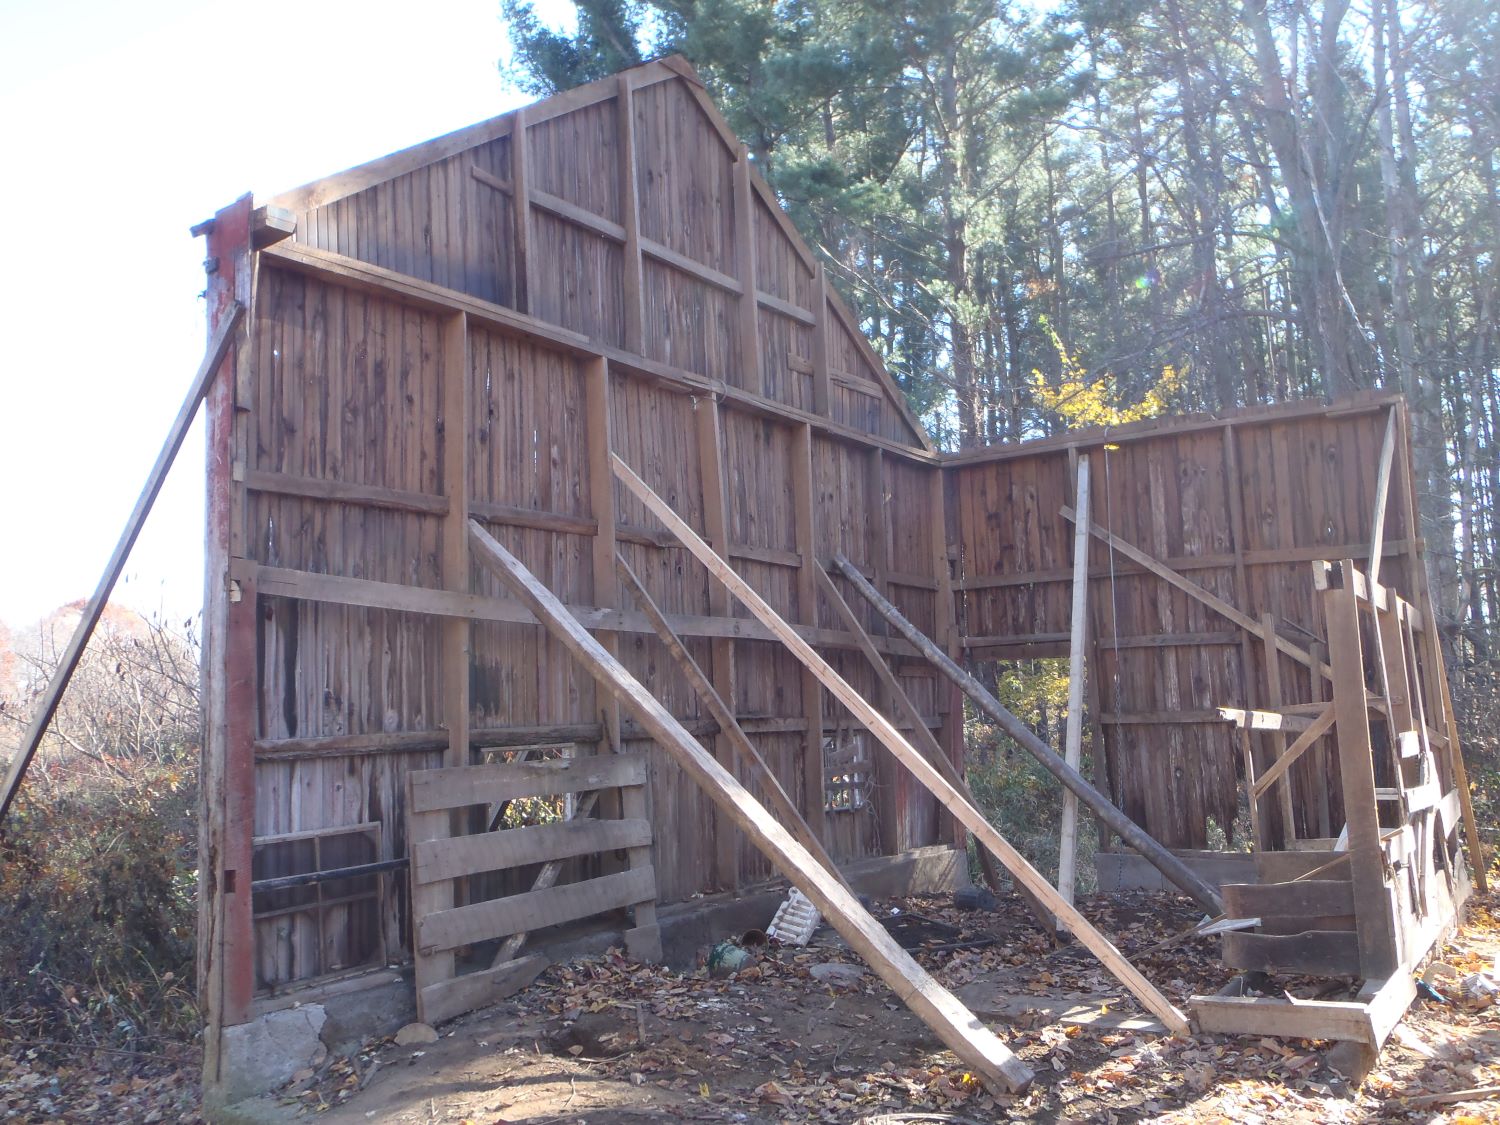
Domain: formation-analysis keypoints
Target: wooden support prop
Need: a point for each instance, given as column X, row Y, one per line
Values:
column 925, row 741
column 894, row 741
column 1193, row 590
column 1067, row 848
column 218, row 349
column 954, row 1024
column 1172, row 868
column 729, row 727
column 1320, row 726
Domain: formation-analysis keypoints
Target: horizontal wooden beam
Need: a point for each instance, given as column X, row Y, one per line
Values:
column 353, row 273
column 1247, row 418
column 1287, row 1019
column 1280, row 556
column 306, row 585
column 458, row 787
column 346, row 492
column 1250, row 719
column 501, row 850
column 532, row 910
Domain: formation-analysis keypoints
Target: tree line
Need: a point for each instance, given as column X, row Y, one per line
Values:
column 1043, row 216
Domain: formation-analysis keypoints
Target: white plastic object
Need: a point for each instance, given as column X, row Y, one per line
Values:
column 795, row 920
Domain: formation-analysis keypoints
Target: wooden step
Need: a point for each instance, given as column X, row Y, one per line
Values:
column 1319, row 953
column 1306, row 897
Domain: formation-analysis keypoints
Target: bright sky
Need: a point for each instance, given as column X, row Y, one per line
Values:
column 122, row 125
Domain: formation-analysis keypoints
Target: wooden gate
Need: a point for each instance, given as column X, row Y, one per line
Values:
column 445, row 858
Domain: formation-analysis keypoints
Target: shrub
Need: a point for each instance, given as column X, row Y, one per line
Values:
column 98, row 856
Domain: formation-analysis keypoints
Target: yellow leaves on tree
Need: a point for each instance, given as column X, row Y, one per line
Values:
column 1082, row 400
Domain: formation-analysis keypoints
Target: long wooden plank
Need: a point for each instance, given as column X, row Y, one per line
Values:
column 533, row 910
column 307, row 585
column 923, row 739
column 1331, row 953
column 1171, row 867
column 1264, row 720
column 1193, row 590
column 894, row 741
column 434, row 860
column 218, row 349
column 453, row 997
column 729, row 728
column 1307, row 896
column 1067, row 848
column 462, row 786
column 547, row 877
column 1320, row 726
column 1288, row 1019
column 976, row 1046
column 322, row 488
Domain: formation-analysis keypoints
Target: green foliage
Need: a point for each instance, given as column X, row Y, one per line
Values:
column 1018, row 796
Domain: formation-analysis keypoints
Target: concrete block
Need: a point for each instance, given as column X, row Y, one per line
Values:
column 264, row 1053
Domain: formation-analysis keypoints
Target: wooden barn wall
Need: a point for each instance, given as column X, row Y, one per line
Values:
column 356, row 391
column 1241, row 508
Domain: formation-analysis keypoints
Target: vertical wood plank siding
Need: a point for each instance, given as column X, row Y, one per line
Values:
column 348, row 476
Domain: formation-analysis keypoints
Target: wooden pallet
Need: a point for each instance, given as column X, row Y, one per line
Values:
column 442, row 859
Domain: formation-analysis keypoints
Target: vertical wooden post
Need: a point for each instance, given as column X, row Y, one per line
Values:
column 630, row 216
column 1274, row 698
column 520, row 209
column 821, row 377
column 727, row 838
column 891, row 788
column 1374, row 921
column 1067, row 851
column 226, row 937
column 1321, row 805
column 807, row 606
column 751, row 376
column 457, row 636
column 951, row 700
column 457, row 631
column 1233, row 492
column 643, row 940
column 1382, row 492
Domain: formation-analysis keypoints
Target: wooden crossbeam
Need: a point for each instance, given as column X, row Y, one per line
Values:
column 894, row 741
column 1197, row 592
column 1320, row 726
column 954, row 1024
column 218, row 350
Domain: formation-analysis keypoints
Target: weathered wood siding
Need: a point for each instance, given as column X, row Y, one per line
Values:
column 347, row 414
column 1241, row 507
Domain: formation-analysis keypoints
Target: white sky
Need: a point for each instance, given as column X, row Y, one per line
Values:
column 122, row 125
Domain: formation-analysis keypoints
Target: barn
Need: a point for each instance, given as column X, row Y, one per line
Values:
column 574, row 563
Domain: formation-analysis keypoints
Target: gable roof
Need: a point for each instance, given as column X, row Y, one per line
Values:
column 675, row 205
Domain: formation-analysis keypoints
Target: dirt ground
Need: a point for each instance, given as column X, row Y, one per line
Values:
column 612, row 1041
column 608, row 1040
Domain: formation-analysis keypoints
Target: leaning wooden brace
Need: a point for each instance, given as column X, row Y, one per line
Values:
column 954, row 1024
column 924, row 771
